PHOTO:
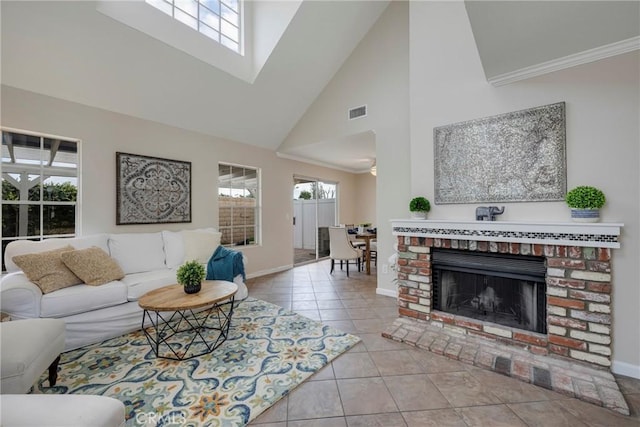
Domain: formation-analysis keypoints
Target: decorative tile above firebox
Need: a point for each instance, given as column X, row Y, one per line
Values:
column 601, row 235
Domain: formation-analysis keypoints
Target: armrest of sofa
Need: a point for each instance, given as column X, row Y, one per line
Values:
column 69, row 410
column 19, row 297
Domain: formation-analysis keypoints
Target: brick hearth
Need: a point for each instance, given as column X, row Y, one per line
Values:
column 578, row 281
column 593, row 385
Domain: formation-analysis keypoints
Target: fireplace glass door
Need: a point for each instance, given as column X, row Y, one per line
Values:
column 508, row 291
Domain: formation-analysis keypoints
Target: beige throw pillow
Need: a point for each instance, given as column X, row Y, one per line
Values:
column 47, row 270
column 93, row 265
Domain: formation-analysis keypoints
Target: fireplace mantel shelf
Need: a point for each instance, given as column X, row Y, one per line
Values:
column 602, row 235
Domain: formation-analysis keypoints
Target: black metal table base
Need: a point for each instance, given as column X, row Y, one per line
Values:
column 185, row 334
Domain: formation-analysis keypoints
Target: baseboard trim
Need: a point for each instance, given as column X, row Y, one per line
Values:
column 387, row 292
column 626, row 369
column 269, row 271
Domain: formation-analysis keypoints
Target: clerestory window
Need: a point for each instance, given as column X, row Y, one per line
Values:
column 220, row 20
column 39, row 186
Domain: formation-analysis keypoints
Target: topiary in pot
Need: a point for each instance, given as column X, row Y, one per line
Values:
column 190, row 275
column 585, row 203
column 419, row 206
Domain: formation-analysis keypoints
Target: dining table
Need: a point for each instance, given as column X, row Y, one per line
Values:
column 367, row 236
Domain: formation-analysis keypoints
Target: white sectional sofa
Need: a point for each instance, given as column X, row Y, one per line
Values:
column 34, row 410
column 95, row 313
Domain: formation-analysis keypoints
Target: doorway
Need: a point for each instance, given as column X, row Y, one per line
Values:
column 314, row 211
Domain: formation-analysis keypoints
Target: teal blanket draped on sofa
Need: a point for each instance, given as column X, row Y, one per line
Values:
column 225, row 264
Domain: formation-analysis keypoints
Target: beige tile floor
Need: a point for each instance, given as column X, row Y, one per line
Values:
column 384, row 383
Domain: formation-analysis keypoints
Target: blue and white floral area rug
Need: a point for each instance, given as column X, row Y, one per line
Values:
column 268, row 353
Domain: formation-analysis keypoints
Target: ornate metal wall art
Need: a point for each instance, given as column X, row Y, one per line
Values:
column 513, row 157
column 151, row 190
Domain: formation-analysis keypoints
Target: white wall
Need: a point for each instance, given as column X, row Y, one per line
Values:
column 376, row 74
column 602, row 115
column 364, row 200
column 103, row 133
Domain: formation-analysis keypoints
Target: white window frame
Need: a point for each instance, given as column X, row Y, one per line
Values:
column 177, row 9
column 41, row 203
column 258, row 208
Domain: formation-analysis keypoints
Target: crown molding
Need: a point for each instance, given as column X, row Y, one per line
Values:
column 317, row 162
column 580, row 58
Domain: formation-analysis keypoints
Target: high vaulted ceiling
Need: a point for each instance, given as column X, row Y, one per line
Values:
column 69, row 50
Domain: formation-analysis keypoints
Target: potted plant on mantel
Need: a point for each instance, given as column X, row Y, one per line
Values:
column 190, row 275
column 585, row 203
column 419, row 206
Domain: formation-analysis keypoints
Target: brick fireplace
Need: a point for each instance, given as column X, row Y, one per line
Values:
column 578, row 281
column 572, row 357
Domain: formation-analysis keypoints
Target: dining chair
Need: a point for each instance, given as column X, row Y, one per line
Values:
column 340, row 248
column 352, row 237
column 373, row 252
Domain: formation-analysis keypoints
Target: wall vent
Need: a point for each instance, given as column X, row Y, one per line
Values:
column 357, row 112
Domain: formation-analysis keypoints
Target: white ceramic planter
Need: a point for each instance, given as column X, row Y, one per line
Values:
column 418, row 215
column 585, row 215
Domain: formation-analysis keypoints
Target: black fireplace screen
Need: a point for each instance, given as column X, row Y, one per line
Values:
column 508, row 290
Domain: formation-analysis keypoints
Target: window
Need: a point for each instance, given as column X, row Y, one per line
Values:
column 219, row 20
column 39, row 187
column 238, row 204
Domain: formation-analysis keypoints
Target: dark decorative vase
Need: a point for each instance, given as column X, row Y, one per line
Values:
column 192, row 288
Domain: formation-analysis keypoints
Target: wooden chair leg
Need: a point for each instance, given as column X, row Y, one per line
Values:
column 347, row 268
column 53, row 372
column 333, row 262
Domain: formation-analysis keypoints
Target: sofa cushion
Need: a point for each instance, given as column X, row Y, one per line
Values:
column 28, row 347
column 47, row 270
column 61, row 410
column 137, row 252
column 21, row 247
column 173, row 248
column 199, row 245
column 139, row 284
column 82, row 298
column 83, row 242
column 93, row 265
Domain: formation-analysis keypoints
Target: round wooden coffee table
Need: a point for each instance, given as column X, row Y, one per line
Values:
column 181, row 326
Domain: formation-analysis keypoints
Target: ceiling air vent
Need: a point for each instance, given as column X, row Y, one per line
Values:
column 357, row 112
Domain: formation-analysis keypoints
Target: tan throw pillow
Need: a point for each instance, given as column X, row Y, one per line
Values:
column 93, row 265
column 47, row 270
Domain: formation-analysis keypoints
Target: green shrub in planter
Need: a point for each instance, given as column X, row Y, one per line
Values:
column 419, row 206
column 585, row 203
column 585, row 197
column 190, row 275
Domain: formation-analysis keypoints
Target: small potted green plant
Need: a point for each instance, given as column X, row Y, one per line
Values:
column 190, row 275
column 419, row 206
column 585, row 203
